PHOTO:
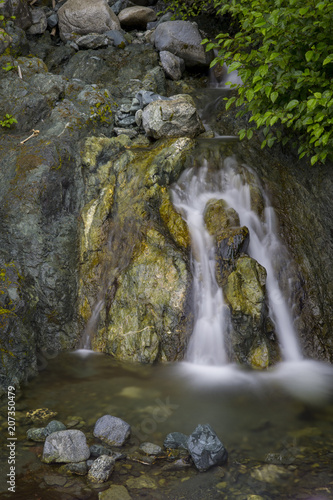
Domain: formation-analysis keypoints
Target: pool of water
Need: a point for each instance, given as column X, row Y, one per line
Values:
column 276, row 426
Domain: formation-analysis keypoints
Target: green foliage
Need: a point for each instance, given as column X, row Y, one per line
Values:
column 7, row 121
column 185, row 9
column 283, row 52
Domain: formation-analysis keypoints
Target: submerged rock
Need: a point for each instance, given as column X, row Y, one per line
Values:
column 113, row 430
column 205, row 448
column 115, row 492
column 150, row 449
column 176, row 440
column 65, row 446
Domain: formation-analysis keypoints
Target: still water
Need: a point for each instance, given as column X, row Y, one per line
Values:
column 276, row 426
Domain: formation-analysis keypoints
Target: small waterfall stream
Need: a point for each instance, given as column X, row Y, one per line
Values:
column 190, row 196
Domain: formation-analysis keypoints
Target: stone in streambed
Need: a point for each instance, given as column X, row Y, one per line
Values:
column 150, row 449
column 176, row 440
column 101, row 469
column 205, row 448
column 115, row 492
column 79, row 468
column 113, row 430
column 65, row 446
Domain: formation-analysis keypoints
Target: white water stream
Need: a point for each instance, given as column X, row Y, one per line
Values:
column 190, row 196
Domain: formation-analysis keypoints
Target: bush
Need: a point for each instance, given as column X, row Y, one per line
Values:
column 283, row 52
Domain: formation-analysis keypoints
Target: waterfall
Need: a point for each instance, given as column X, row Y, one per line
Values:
column 212, row 320
column 207, row 341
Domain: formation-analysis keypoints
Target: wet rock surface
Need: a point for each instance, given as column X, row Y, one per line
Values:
column 112, row 430
column 65, row 446
column 205, row 448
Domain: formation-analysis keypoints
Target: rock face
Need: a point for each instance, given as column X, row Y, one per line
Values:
column 80, row 17
column 136, row 17
column 146, row 314
column 112, row 430
column 205, row 448
column 176, row 117
column 183, row 39
column 65, row 446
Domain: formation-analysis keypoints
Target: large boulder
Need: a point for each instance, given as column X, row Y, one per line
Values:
column 136, row 17
column 80, row 17
column 205, row 448
column 183, row 39
column 65, row 446
column 176, row 117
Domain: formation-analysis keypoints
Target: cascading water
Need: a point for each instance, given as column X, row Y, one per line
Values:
column 207, row 341
column 190, row 196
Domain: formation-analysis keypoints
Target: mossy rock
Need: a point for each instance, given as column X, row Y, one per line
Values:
column 174, row 221
column 218, row 217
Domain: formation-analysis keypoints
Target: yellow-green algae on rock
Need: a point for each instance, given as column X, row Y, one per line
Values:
column 134, row 249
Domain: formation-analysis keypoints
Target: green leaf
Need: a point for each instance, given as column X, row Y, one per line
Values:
column 249, row 94
column 274, row 96
column 209, row 46
column 242, row 134
column 309, row 55
column 311, row 104
column 233, row 66
column 303, row 10
column 249, row 133
column 230, row 102
column 328, row 59
column 314, row 159
column 292, row 104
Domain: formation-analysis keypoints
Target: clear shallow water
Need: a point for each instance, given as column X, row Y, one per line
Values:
column 284, row 416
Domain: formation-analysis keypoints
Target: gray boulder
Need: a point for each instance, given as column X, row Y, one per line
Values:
column 176, row 117
column 173, row 65
column 65, row 446
column 183, row 39
column 205, row 448
column 112, row 430
column 81, row 17
column 39, row 22
column 101, row 469
column 136, row 17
